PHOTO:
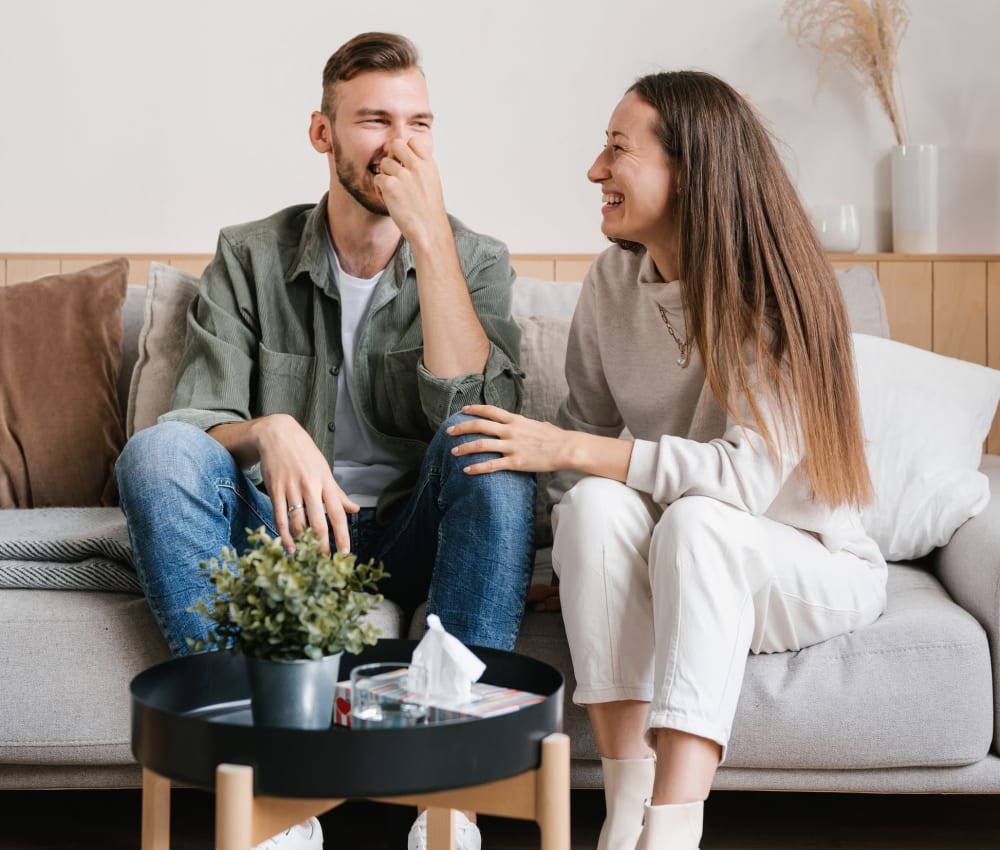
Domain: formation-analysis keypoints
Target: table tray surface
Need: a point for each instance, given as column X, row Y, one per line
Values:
column 191, row 714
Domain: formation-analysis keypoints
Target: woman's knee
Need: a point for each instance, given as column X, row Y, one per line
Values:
column 597, row 506
column 701, row 540
column 593, row 497
column 601, row 518
column 694, row 518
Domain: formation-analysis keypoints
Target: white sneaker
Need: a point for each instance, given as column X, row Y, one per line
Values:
column 302, row 836
column 467, row 835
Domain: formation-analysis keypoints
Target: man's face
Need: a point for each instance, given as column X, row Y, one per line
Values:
column 372, row 110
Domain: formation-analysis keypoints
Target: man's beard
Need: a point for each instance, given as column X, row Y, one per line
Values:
column 351, row 181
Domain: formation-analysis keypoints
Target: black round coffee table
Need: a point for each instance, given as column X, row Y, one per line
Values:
column 191, row 724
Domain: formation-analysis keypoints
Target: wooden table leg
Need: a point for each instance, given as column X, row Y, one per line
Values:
column 552, row 793
column 541, row 795
column 233, row 807
column 155, row 811
column 243, row 820
column 440, row 829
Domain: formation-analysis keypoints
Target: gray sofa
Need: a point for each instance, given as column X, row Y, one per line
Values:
column 906, row 705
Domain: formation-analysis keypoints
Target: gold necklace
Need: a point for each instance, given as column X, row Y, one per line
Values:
column 684, row 346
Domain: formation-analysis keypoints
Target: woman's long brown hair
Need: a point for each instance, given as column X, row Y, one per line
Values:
column 755, row 279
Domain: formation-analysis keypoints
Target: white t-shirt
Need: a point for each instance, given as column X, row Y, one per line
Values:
column 363, row 464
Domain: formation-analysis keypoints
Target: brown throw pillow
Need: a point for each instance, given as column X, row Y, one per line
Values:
column 60, row 353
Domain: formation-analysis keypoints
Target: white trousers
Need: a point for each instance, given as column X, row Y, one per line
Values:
column 663, row 604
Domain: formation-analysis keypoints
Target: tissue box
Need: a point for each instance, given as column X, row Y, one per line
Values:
column 487, row 700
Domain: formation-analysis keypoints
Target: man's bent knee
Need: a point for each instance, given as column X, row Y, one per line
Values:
column 168, row 450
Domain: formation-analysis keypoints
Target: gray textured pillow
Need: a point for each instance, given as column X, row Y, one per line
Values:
column 534, row 297
column 543, row 358
column 864, row 302
column 169, row 291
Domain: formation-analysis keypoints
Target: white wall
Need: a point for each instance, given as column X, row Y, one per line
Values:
column 136, row 126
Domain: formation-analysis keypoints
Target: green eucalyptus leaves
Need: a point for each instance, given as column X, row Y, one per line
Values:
column 274, row 605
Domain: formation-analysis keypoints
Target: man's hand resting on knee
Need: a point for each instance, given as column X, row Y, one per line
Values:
column 297, row 476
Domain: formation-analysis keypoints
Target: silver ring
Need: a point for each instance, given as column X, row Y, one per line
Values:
column 295, row 508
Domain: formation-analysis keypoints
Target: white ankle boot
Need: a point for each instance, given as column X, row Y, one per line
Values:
column 674, row 826
column 627, row 785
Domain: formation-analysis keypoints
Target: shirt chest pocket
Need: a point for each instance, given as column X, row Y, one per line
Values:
column 287, row 383
column 396, row 395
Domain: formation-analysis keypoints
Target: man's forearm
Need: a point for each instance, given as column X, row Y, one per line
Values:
column 240, row 439
column 454, row 340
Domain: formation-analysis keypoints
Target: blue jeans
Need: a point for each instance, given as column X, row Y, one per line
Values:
column 465, row 543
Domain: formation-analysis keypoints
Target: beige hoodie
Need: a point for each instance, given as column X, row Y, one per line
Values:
column 623, row 372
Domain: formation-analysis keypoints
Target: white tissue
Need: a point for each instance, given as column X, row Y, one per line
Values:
column 442, row 666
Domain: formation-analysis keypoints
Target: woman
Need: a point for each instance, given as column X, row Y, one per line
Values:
column 715, row 333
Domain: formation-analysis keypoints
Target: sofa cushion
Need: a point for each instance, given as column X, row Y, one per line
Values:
column 60, row 355
column 67, row 661
column 169, row 291
column 72, row 655
column 912, row 690
column 925, row 419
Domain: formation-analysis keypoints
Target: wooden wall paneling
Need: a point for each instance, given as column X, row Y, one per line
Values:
column 960, row 310
column 3, row 272
column 846, row 264
column 138, row 269
column 993, row 342
column 75, row 264
column 540, row 269
column 571, row 270
column 193, row 265
column 20, row 269
column 907, row 288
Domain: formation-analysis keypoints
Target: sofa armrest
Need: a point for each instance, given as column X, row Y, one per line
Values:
column 969, row 568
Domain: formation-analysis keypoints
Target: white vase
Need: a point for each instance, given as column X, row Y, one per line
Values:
column 914, row 199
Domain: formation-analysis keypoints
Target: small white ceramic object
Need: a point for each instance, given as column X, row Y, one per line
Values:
column 838, row 227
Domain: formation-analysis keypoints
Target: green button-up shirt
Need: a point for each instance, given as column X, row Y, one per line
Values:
column 263, row 337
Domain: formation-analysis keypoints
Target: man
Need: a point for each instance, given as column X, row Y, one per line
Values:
column 328, row 350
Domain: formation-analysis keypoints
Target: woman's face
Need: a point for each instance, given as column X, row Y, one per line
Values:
column 638, row 179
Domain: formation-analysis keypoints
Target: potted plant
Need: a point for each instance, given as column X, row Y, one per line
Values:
column 291, row 615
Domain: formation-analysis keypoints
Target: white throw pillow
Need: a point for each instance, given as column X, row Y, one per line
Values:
column 925, row 419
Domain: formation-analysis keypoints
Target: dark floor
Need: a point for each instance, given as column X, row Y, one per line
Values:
column 109, row 820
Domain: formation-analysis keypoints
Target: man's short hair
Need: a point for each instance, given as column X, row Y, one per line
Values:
column 370, row 51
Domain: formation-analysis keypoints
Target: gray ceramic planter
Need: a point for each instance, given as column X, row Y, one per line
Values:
column 293, row 694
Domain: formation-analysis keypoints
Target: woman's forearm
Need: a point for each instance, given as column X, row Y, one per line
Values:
column 607, row 457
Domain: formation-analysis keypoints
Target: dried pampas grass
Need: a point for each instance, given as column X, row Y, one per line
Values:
column 862, row 35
